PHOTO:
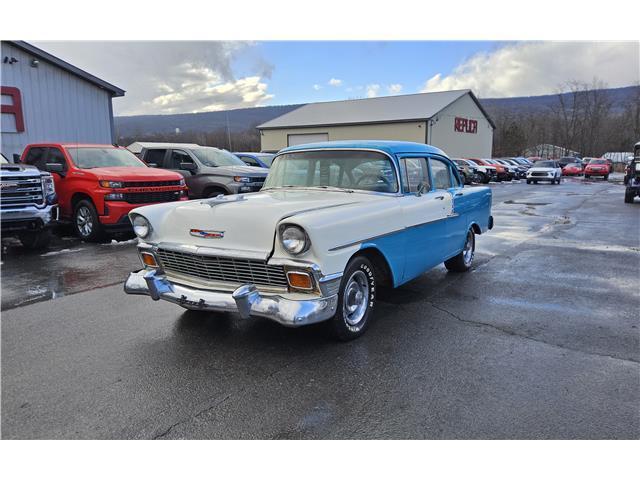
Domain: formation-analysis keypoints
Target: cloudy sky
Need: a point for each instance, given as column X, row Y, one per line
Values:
column 185, row 77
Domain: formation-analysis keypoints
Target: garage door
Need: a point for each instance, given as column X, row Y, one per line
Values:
column 300, row 138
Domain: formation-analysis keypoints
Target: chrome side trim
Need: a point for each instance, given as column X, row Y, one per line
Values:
column 369, row 239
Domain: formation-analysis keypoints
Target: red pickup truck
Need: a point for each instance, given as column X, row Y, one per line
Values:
column 98, row 185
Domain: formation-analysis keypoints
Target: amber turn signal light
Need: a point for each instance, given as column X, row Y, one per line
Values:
column 148, row 260
column 300, row 280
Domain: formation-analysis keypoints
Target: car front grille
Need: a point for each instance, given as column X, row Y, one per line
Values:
column 166, row 183
column 152, row 197
column 223, row 269
column 539, row 174
column 21, row 192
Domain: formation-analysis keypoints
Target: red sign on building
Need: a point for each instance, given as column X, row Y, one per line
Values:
column 15, row 108
column 465, row 125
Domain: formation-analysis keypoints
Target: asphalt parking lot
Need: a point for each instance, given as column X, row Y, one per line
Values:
column 540, row 340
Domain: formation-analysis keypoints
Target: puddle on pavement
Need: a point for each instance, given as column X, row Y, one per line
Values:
column 530, row 204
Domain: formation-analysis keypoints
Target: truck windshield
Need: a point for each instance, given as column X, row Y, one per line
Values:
column 212, row 157
column 94, row 157
column 358, row 170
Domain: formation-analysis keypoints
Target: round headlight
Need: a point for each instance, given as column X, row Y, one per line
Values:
column 141, row 226
column 294, row 239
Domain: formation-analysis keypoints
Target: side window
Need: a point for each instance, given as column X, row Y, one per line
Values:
column 414, row 172
column 37, row 156
column 249, row 161
column 441, row 176
column 178, row 157
column 56, row 156
column 155, row 156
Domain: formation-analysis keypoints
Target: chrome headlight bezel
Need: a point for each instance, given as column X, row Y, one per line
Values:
column 141, row 225
column 294, row 239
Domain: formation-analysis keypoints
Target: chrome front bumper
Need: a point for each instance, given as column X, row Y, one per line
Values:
column 245, row 300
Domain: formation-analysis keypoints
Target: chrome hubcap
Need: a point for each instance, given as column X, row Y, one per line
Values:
column 467, row 253
column 84, row 221
column 356, row 298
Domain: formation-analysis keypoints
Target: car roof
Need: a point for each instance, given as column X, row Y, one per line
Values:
column 387, row 146
column 74, row 145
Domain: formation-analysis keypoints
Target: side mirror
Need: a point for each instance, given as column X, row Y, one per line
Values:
column 152, row 165
column 190, row 166
column 55, row 168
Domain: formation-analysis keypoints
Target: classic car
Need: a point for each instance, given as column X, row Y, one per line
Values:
column 333, row 223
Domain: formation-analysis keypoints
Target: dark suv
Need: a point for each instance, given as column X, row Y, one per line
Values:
column 208, row 171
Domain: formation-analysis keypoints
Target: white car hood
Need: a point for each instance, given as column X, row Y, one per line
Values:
column 248, row 222
column 541, row 169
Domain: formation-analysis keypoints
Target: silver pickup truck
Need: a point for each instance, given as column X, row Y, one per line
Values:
column 28, row 203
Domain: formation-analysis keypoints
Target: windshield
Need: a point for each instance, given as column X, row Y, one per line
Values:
column 212, row 157
column 92, row 157
column 358, row 170
column 544, row 164
column 266, row 158
column 597, row 162
column 636, row 153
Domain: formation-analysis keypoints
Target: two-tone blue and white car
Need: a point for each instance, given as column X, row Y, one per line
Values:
column 334, row 222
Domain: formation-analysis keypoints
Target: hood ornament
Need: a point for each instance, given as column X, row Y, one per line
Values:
column 220, row 199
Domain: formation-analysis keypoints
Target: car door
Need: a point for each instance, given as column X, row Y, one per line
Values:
column 174, row 161
column 457, row 220
column 425, row 211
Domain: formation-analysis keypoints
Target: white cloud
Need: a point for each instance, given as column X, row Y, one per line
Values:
column 335, row 82
column 537, row 68
column 373, row 90
column 394, row 88
column 316, row 87
column 172, row 77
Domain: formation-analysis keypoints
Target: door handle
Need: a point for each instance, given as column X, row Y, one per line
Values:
column 441, row 197
column 459, row 194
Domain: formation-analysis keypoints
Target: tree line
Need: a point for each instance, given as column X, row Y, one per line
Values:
column 582, row 118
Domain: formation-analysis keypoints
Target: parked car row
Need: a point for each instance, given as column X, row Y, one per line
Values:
column 94, row 187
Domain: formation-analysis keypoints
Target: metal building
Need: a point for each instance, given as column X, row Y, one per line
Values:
column 453, row 121
column 45, row 99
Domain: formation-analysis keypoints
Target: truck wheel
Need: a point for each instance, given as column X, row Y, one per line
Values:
column 628, row 195
column 528, row 182
column 356, row 300
column 606, row 177
column 486, row 178
column 36, row 240
column 462, row 262
column 86, row 222
column 214, row 192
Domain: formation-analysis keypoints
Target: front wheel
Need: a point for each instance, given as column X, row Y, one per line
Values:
column 356, row 300
column 528, row 182
column 462, row 262
column 36, row 240
column 86, row 222
column 606, row 177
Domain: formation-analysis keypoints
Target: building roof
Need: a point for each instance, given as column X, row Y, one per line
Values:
column 388, row 146
column 41, row 54
column 397, row 108
column 136, row 147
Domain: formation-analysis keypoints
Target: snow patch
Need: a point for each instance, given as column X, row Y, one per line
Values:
column 64, row 250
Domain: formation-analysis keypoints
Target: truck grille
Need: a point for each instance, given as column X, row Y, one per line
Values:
column 21, row 192
column 152, row 197
column 166, row 183
column 223, row 269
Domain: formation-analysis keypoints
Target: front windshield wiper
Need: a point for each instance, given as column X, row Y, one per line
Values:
column 327, row 187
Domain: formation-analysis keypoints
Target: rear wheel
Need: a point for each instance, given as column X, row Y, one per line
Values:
column 629, row 195
column 586, row 176
column 528, row 182
column 86, row 222
column 36, row 240
column 462, row 262
column 356, row 300
column 486, row 178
